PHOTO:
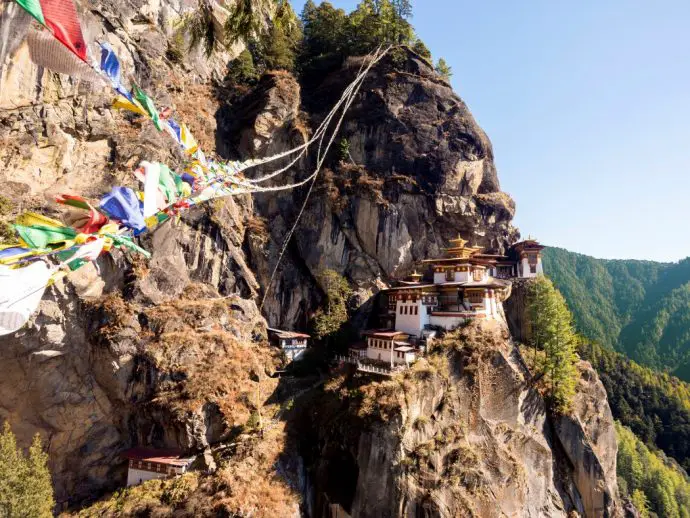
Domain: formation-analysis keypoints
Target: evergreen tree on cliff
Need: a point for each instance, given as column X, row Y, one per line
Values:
column 25, row 485
column 443, row 69
column 329, row 320
column 553, row 340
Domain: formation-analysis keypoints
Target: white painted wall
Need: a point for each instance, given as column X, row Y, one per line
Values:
column 447, row 323
column 439, row 277
column 408, row 322
column 294, row 353
column 377, row 353
column 385, row 355
column 137, row 476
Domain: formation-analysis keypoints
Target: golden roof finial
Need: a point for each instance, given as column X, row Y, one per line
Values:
column 459, row 240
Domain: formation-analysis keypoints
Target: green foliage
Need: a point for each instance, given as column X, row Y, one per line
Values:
column 443, row 69
column 329, row 320
column 330, row 34
column 552, row 332
column 25, row 484
column 344, row 150
column 641, row 308
column 175, row 51
column 250, row 18
column 420, row 48
column 269, row 26
column 277, row 48
column 242, row 69
column 652, row 481
column 655, row 406
column 199, row 25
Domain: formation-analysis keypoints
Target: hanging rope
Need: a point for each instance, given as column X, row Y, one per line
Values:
column 375, row 58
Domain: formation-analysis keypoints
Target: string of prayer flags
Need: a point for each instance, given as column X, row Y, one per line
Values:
column 60, row 16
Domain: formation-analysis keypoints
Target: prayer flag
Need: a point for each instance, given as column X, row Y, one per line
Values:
column 124, row 104
column 60, row 16
column 110, row 66
column 22, row 290
column 148, row 105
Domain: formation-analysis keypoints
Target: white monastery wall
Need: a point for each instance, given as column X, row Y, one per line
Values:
column 137, row 476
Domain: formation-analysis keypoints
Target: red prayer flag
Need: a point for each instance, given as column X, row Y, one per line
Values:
column 61, row 17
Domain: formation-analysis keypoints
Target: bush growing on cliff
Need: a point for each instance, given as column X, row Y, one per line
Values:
column 25, row 484
column 270, row 29
column 553, row 340
column 328, row 321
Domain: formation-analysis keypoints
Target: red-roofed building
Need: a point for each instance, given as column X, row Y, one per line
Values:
column 151, row 463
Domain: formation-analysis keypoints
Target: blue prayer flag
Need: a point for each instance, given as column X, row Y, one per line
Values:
column 110, row 65
column 122, row 204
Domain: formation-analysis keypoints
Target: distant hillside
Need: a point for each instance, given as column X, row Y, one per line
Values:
column 656, row 406
column 641, row 308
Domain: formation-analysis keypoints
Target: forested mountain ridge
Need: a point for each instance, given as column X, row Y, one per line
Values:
column 641, row 308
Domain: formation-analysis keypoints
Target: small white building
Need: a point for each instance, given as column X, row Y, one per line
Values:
column 528, row 254
column 150, row 463
column 292, row 344
column 390, row 346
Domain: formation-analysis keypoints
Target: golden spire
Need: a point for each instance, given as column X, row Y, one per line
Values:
column 458, row 242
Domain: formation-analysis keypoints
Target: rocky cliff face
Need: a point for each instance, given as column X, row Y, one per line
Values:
column 122, row 352
column 171, row 351
column 419, row 171
column 461, row 434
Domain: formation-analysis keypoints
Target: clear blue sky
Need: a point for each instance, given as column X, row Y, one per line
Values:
column 587, row 105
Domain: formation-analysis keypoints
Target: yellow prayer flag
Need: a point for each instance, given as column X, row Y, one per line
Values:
column 31, row 218
column 188, row 141
column 124, row 104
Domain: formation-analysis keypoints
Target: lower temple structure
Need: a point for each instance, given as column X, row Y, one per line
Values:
column 150, row 463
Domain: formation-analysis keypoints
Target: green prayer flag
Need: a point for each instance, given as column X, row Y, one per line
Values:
column 40, row 236
column 148, row 105
column 179, row 184
column 33, row 7
column 166, row 181
column 65, row 255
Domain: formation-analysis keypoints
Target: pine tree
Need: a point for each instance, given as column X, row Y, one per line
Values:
column 553, row 340
column 25, row 483
column 41, row 502
column 442, row 69
column 279, row 46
